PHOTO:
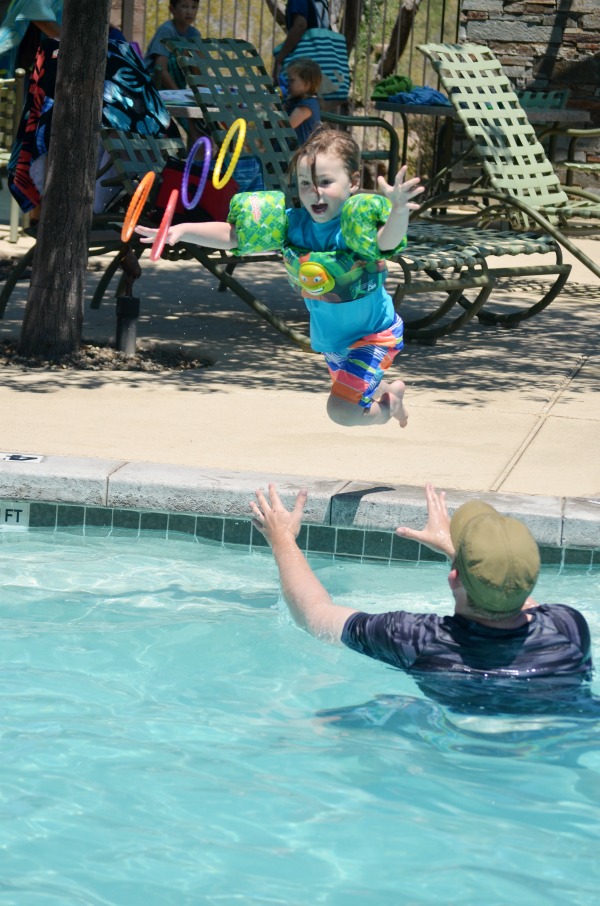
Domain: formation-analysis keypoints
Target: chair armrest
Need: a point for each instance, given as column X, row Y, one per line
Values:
column 573, row 134
column 393, row 153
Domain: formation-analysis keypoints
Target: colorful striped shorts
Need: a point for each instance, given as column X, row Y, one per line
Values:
column 357, row 373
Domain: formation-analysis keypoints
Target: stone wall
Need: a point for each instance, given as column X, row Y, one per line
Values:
column 544, row 44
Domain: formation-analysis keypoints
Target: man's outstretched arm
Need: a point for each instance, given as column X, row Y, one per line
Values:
column 308, row 601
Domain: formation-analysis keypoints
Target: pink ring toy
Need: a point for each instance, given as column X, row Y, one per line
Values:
column 161, row 237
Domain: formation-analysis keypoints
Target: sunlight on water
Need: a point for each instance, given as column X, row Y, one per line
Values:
column 169, row 736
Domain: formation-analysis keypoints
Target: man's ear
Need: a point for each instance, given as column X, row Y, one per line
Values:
column 354, row 182
column 454, row 579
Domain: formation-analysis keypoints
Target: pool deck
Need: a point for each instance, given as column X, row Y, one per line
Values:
column 510, row 415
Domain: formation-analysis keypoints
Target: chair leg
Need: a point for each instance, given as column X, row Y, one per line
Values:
column 15, row 216
column 219, row 270
column 429, row 327
column 105, row 280
column 11, row 281
column 511, row 319
column 229, row 270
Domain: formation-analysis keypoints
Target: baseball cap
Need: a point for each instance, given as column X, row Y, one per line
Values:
column 497, row 558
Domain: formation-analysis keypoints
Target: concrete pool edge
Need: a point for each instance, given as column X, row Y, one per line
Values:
column 556, row 522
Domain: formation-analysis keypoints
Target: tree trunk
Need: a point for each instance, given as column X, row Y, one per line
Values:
column 399, row 37
column 54, row 314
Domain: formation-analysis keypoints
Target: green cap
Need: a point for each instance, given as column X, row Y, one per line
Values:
column 497, row 558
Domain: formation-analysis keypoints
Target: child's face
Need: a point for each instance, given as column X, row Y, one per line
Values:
column 323, row 198
column 297, row 87
column 184, row 13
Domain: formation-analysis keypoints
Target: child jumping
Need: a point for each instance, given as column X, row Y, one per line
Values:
column 302, row 104
column 334, row 248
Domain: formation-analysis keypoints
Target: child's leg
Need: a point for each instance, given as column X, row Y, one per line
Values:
column 390, row 405
column 393, row 395
column 357, row 377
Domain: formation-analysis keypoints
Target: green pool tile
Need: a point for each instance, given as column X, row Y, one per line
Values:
column 577, row 557
column 154, row 522
column 302, row 538
column 377, row 546
column 98, row 518
column 321, row 539
column 349, row 542
column 426, row 553
column 126, row 520
column 182, row 525
column 210, row 528
column 404, row 549
column 258, row 539
column 237, row 532
column 551, row 556
column 42, row 516
column 70, row 519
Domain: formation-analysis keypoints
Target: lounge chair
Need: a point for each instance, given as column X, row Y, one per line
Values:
column 519, row 184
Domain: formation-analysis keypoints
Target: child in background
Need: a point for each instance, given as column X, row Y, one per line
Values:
column 302, row 104
column 334, row 248
column 159, row 61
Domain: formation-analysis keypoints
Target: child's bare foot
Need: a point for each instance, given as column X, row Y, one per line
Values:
column 394, row 398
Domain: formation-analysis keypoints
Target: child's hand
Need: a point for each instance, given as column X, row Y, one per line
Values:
column 148, row 234
column 401, row 192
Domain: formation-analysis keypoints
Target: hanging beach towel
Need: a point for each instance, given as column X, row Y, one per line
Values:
column 327, row 48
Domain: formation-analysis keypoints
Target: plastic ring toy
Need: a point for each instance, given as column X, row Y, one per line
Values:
column 240, row 126
column 136, row 205
column 161, row 237
column 185, row 180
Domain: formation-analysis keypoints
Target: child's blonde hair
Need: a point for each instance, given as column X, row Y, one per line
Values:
column 328, row 141
column 308, row 71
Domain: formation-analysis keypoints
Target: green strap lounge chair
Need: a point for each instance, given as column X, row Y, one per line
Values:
column 518, row 184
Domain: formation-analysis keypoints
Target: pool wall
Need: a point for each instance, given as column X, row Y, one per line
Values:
column 343, row 517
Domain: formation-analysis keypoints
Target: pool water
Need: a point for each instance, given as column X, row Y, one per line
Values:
column 162, row 743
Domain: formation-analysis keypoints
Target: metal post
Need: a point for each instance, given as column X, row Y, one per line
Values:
column 128, row 310
column 127, row 19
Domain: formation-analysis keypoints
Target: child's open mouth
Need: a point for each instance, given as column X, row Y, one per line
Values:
column 318, row 208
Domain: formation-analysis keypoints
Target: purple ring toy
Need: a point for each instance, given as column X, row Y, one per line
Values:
column 185, row 180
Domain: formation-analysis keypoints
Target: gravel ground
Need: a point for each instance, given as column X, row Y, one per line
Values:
column 101, row 358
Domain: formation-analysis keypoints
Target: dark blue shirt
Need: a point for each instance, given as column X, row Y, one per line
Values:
column 305, row 8
column 309, row 125
column 462, row 663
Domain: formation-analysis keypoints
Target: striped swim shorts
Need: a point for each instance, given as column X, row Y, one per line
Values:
column 357, row 373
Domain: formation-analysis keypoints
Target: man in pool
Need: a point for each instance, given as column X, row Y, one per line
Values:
column 498, row 640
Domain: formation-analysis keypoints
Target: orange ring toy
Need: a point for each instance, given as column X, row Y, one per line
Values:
column 136, row 205
column 161, row 237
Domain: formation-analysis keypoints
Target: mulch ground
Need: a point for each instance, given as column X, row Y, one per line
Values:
column 102, row 358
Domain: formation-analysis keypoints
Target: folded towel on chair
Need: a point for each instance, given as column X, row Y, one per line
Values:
column 420, row 96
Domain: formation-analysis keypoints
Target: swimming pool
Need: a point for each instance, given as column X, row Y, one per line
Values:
column 162, row 742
